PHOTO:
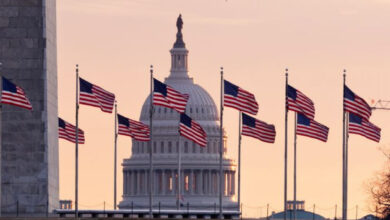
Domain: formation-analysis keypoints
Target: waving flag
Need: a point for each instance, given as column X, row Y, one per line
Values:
column 14, row 95
column 240, row 99
column 355, row 104
column 359, row 125
column 166, row 96
column 68, row 132
column 258, row 129
column 134, row 129
column 310, row 128
column 298, row 102
column 192, row 130
column 93, row 95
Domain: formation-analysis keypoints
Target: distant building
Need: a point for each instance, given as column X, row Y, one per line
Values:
column 65, row 204
column 301, row 213
column 199, row 166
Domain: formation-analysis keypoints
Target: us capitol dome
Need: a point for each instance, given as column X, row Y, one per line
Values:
column 199, row 165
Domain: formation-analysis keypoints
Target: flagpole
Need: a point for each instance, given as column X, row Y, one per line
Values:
column 115, row 153
column 76, row 205
column 151, row 146
column 178, row 169
column 346, row 164
column 346, row 159
column 343, row 150
column 239, row 160
column 295, row 167
column 221, row 151
column 285, row 150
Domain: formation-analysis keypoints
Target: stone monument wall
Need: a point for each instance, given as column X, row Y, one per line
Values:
column 29, row 143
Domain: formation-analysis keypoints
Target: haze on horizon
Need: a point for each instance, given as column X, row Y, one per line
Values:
column 115, row 42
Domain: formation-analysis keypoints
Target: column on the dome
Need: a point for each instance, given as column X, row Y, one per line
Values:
column 135, row 182
column 204, row 182
column 200, row 191
column 173, row 182
column 130, row 183
column 190, row 181
column 196, row 181
column 209, row 182
column 234, row 183
column 146, row 182
column 139, row 187
column 124, row 182
column 230, row 182
column 212, row 190
column 224, row 186
column 139, row 179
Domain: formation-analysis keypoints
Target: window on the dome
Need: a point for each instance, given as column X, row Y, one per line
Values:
column 186, row 182
column 185, row 147
column 154, row 147
column 170, row 182
column 162, row 147
column 169, row 147
column 135, row 150
column 193, row 147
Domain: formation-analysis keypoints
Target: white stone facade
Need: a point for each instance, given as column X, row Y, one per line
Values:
column 199, row 166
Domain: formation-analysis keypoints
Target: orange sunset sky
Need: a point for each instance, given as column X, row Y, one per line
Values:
column 115, row 42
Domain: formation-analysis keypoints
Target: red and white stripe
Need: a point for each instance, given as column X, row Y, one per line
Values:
column 69, row 133
column 315, row 130
column 302, row 104
column 195, row 133
column 245, row 101
column 366, row 129
column 263, row 131
column 99, row 98
column 358, row 107
column 174, row 100
column 136, row 130
column 18, row 99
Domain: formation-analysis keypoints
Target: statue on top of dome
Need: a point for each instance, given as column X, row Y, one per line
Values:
column 179, row 36
column 179, row 24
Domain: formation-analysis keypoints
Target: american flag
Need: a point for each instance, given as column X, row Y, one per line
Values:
column 14, row 95
column 238, row 98
column 68, row 132
column 166, row 96
column 132, row 128
column 361, row 126
column 298, row 102
column 192, row 130
column 310, row 128
column 93, row 95
column 355, row 104
column 257, row 129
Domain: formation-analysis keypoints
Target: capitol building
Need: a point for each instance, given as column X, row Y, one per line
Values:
column 199, row 182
